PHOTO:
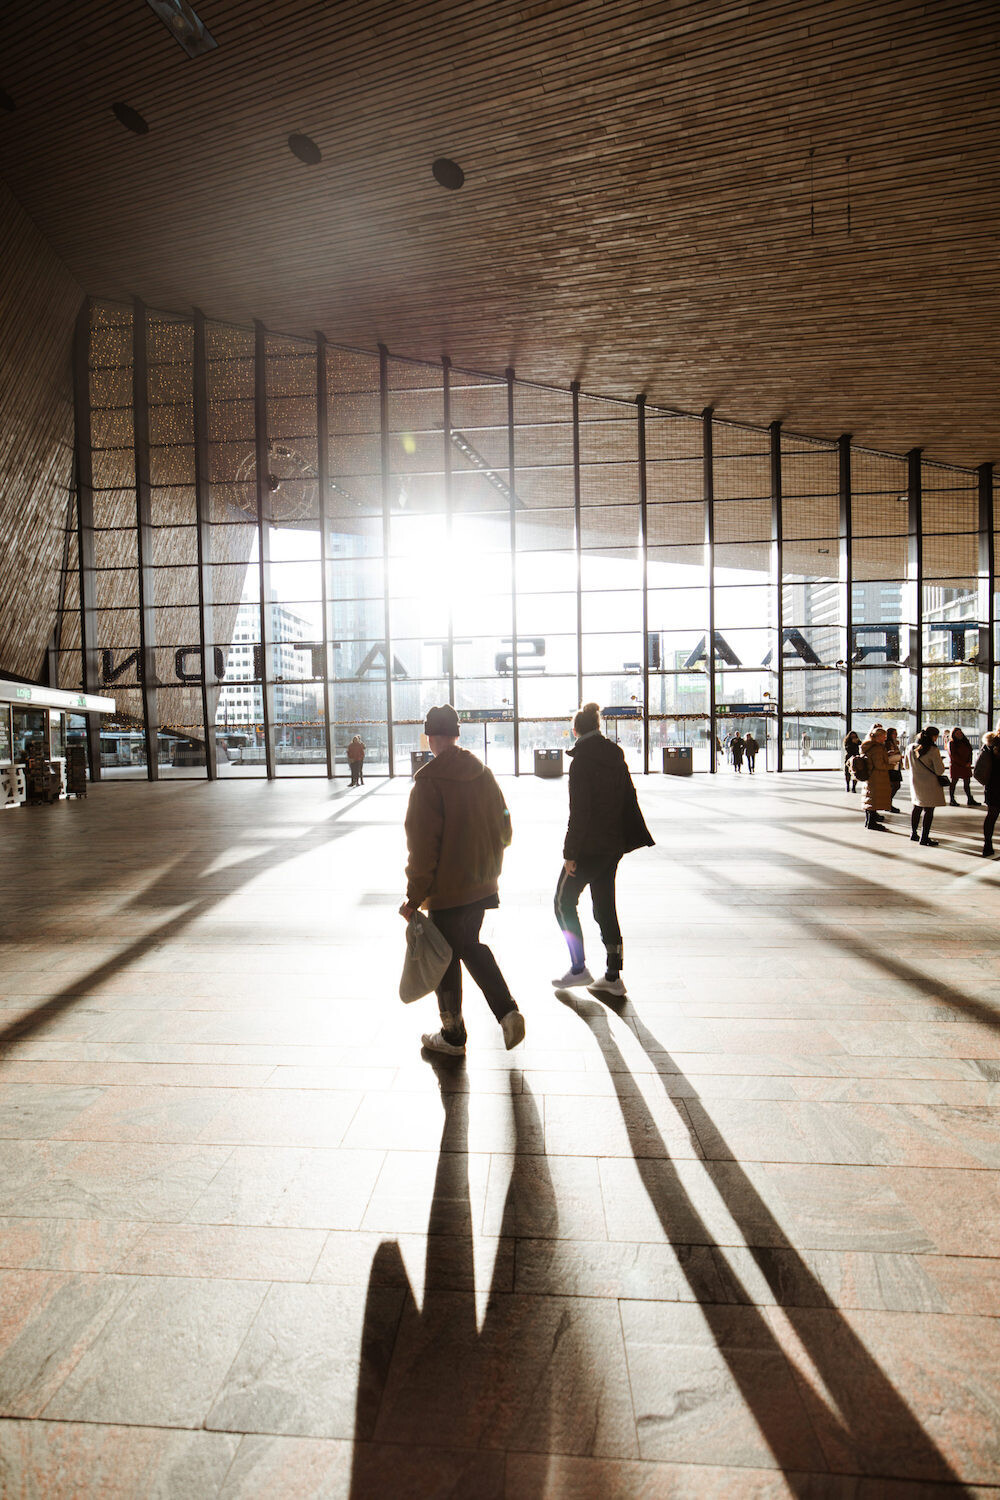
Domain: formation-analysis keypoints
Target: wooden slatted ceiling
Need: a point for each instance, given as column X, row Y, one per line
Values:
column 636, row 211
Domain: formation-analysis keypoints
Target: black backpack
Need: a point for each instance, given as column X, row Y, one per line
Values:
column 860, row 767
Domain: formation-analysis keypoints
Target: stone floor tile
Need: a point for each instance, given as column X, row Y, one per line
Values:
column 163, row 1354
column 91, row 1461
column 295, row 1188
column 66, row 1244
column 313, row 1364
column 65, row 1179
column 284, row 1468
column 226, row 1251
column 49, row 1319
column 541, row 1373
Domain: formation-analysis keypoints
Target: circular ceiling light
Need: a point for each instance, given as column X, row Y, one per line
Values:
column 6, row 102
column 305, row 149
column 448, row 173
column 130, row 118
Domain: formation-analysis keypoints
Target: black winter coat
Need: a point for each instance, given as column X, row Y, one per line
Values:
column 991, row 788
column 604, row 815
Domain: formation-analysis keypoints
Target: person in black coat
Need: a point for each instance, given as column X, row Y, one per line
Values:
column 988, row 773
column 604, row 823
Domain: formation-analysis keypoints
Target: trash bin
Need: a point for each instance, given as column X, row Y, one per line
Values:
column 548, row 762
column 419, row 758
column 677, row 760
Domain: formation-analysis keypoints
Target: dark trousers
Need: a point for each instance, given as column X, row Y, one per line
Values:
column 460, row 925
column 599, row 873
column 989, row 823
column 357, row 773
column 751, row 759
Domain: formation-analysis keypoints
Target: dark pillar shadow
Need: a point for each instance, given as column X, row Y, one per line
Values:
column 870, row 1431
column 435, row 1415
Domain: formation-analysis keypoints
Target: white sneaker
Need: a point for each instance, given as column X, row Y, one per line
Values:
column 435, row 1042
column 609, row 986
column 512, row 1027
column 571, row 979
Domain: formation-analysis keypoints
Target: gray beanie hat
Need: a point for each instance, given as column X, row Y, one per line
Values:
column 443, row 721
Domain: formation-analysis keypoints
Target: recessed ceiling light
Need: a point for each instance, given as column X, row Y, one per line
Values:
column 6, row 102
column 305, row 149
column 184, row 26
column 130, row 118
column 448, row 173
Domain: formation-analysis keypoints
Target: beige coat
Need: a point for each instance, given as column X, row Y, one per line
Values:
column 926, row 790
column 878, row 789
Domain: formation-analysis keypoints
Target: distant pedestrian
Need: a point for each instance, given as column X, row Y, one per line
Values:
column 457, row 828
column 807, row 749
column 356, row 760
column 895, row 755
column 878, row 794
column 751, row 747
column 852, row 747
column 960, row 767
column 988, row 774
column 927, row 783
column 736, row 747
column 604, row 823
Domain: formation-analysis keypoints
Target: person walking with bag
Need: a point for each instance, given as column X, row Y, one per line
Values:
column 604, row 823
column 751, row 747
column 927, row 783
column 457, row 828
column 960, row 767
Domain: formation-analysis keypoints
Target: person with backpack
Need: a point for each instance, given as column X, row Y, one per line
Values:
column 852, row 747
column 987, row 773
column 878, row 789
column 604, row 824
column 960, row 766
column 927, row 783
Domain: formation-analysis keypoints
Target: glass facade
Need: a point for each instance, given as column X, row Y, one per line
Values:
column 279, row 544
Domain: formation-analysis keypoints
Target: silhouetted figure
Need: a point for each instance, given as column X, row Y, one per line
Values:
column 894, row 754
column 736, row 746
column 750, row 747
column 604, row 823
column 457, row 828
column 356, row 760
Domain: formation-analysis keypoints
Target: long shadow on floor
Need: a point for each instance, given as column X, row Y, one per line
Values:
column 186, row 873
column 438, row 1405
column 865, row 1428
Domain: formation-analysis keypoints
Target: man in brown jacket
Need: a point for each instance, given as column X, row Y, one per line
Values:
column 457, row 827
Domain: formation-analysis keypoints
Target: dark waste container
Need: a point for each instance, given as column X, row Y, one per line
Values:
column 548, row 762
column 677, row 760
column 419, row 758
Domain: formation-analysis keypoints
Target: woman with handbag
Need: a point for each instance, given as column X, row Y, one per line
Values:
column 927, row 783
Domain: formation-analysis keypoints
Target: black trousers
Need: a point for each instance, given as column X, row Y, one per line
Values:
column 599, row 873
column 460, row 925
column 357, row 773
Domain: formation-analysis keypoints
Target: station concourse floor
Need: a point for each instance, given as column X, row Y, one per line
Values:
column 737, row 1238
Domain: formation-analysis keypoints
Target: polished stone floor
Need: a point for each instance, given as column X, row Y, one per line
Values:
column 738, row 1237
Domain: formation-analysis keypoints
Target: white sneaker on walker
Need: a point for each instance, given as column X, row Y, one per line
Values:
column 572, row 978
column 608, row 986
column 512, row 1027
column 435, row 1042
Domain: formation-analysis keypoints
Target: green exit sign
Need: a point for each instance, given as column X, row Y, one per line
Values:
column 24, row 694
